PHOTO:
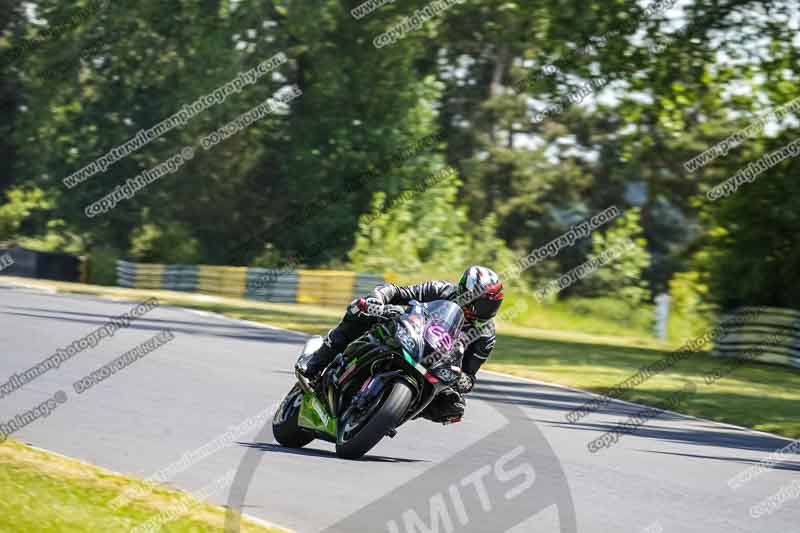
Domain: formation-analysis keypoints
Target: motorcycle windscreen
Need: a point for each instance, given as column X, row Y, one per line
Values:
column 444, row 320
column 410, row 333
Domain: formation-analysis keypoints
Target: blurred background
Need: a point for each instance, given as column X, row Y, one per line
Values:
column 482, row 133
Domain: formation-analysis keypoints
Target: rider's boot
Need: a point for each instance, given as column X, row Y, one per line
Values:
column 447, row 408
column 350, row 328
column 313, row 365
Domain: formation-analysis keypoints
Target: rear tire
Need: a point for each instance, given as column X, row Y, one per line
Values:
column 384, row 420
column 284, row 424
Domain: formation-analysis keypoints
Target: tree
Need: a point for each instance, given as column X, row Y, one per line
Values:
column 425, row 230
column 622, row 276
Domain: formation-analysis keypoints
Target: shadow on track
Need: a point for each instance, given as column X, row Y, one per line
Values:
column 791, row 466
column 223, row 328
column 551, row 398
column 326, row 454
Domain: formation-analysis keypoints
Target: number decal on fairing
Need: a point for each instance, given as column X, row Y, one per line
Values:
column 440, row 338
column 406, row 340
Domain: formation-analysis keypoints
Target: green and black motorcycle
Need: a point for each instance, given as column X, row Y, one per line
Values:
column 384, row 378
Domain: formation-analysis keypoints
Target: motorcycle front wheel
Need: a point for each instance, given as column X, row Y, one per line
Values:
column 284, row 424
column 360, row 432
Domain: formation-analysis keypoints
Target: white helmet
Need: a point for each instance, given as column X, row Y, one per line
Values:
column 480, row 293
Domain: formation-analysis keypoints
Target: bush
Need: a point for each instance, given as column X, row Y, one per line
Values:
column 271, row 257
column 425, row 230
column 21, row 203
column 751, row 241
column 621, row 278
column 103, row 266
column 56, row 239
column 172, row 244
column 690, row 311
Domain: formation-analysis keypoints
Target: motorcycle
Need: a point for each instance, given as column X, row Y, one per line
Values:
column 382, row 380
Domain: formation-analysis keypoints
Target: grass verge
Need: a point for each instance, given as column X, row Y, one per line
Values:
column 755, row 395
column 45, row 492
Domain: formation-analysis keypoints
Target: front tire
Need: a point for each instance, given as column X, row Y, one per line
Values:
column 284, row 424
column 383, row 420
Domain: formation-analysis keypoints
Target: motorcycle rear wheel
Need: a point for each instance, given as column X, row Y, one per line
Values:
column 380, row 423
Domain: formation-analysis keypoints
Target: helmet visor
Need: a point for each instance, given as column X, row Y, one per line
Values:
column 486, row 308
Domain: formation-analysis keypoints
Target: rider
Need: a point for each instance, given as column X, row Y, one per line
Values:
column 479, row 293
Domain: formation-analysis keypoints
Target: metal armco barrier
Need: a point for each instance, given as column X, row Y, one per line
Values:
column 769, row 335
column 43, row 265
column 331, row 287
column 271, row 285
column 323, row 287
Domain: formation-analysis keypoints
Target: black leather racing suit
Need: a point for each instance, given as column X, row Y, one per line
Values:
column 478, row 342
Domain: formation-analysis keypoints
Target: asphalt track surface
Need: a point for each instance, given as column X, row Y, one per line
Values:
column 670, row 476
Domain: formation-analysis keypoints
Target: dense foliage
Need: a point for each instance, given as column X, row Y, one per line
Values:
column 545, row 112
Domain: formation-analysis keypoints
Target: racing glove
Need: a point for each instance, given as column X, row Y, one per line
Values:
column 465, row 383
column 374, row 308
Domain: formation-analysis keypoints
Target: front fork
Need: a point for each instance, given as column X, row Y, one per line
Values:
column 373, row 386
column 304, row 383
column 431, row 391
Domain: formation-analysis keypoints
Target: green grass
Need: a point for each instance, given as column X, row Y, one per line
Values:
column 755, row 395
column 760, row 396
column 306, row 320
column 601, row 316
column 44, row 492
